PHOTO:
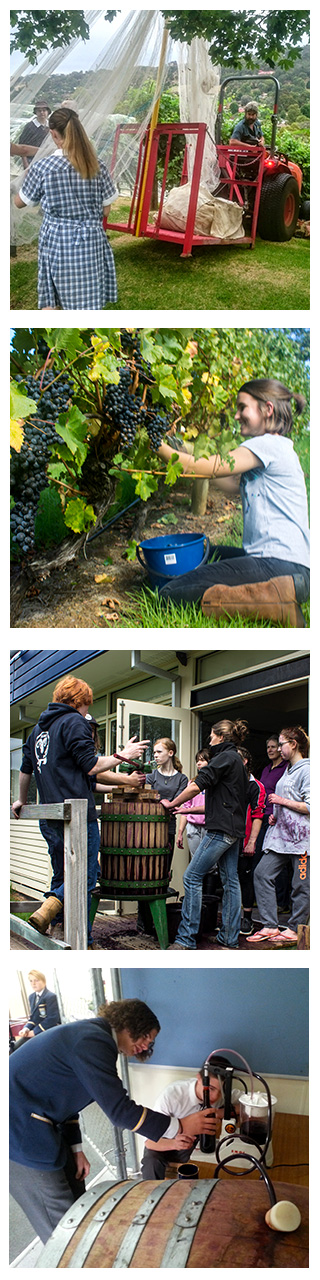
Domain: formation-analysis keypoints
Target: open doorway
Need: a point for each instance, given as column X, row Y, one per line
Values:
column 266, row 713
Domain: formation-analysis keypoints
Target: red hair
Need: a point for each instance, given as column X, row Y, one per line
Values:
column 74, row 692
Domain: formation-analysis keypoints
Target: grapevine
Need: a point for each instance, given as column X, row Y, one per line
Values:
column 29, row 467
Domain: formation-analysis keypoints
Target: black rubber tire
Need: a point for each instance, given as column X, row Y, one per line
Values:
column 305, row 210
column 277, row 195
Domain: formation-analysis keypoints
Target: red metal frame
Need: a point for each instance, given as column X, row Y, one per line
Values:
column 229, row 158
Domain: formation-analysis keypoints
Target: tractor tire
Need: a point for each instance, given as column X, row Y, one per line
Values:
column 279, row 208
column 305, row 210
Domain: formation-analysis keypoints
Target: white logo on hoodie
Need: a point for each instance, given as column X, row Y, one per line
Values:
column 41, row 747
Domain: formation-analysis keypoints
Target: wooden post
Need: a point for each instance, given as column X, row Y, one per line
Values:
column 303, row 943
column 200, row 491
column 76, row 875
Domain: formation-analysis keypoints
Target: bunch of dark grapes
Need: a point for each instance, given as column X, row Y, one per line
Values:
column 129, row 406
column 29, row 467
column 131, row 346
column 123, row 409
column 157, row 423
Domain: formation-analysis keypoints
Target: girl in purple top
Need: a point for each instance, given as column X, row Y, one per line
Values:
column 273, row 771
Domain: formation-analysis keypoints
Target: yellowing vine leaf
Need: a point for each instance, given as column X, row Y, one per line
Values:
column 16, row 434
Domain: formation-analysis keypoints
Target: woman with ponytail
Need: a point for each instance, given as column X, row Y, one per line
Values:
column 226, row 785
column 269, row 575
column 75, row 265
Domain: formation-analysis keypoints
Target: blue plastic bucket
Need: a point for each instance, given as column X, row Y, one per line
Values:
column 168, row 557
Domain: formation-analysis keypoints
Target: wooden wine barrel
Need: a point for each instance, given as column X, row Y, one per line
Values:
column 177, row 1224
column 134, row 854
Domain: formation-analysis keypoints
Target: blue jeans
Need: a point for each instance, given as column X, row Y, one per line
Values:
column 215, row 847
column 53, row 834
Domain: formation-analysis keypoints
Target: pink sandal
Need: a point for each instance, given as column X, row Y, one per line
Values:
column 287, row 935
column 263, row 935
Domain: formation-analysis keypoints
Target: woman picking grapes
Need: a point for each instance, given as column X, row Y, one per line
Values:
column 269, row 574
column 76, row 268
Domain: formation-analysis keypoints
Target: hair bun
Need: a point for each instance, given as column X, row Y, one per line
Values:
column 300, row 401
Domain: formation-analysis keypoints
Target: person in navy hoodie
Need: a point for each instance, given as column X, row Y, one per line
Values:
column 61, row 754
column 55, row 1077
column 44, row 1009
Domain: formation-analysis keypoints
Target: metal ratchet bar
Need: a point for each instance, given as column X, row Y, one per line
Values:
column 132, row 1236
column 182, row 1235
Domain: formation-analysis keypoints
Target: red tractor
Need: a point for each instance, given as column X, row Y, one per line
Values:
column 282, row 179
column 264, row 184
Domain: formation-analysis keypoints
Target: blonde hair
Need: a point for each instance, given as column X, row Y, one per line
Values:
column 76, row 144
column 35, row 973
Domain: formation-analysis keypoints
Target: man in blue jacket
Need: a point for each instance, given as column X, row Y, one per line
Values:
column 58, row 1075
column 60, row 753
column 44, row 1009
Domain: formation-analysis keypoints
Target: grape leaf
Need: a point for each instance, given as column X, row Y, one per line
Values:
column 72, row 427
column 78, row 516
column 20, row 405
column 16, row 434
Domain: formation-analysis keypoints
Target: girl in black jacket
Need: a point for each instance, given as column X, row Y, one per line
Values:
column 225, row 783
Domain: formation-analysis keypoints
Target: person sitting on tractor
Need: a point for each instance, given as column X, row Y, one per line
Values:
column 248, row 131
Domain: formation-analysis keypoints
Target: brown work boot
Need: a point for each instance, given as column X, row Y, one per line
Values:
column 274, row 600
column 42, row 918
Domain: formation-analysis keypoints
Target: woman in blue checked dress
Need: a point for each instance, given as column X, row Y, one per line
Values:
column 76, row 268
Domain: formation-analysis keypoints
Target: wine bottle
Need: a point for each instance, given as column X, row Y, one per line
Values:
column 207, row 1140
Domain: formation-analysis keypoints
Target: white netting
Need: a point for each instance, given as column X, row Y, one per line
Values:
column 199, row 83
column 129, row 59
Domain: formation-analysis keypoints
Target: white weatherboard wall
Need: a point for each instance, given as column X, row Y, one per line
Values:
column 30, row 866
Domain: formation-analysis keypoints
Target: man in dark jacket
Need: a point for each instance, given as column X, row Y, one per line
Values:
column 37, row 129
column 53, row 1079
column 61, row 754
column 225, row 783
column 248, row 132
column 44, row 1009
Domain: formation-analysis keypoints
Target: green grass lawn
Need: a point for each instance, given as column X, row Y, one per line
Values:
column 153, row 275
column 146, row 609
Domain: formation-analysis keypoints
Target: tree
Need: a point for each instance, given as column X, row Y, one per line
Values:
column 35, row 30
column 243, row 38
column 236, row 38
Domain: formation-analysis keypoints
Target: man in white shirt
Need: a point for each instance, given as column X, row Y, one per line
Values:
column 180, row 1099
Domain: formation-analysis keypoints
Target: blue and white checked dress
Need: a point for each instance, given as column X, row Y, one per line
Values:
column 76, row 268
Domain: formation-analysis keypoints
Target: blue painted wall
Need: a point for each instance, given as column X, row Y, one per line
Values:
column 32, row 669
column 262, row 1013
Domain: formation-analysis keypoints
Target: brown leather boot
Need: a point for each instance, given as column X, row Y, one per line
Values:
column 42, row 918
column 274, row 600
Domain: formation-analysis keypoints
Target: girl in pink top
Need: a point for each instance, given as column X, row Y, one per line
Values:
column 195, row 808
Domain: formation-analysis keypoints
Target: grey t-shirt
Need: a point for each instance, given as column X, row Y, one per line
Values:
column 169, row 786
column 274, row 502
column 291, row 833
